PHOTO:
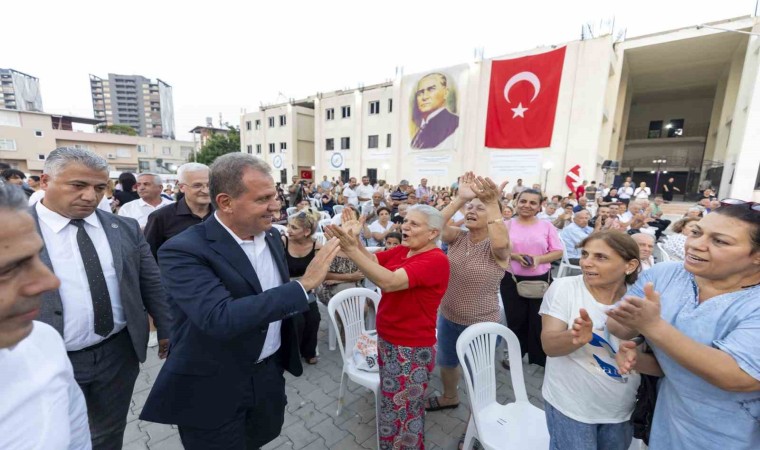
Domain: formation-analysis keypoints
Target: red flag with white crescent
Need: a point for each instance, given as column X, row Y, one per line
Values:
column 573, row 178
column 523, row 100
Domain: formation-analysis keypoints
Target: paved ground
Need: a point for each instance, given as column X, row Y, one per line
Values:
column 310, row 420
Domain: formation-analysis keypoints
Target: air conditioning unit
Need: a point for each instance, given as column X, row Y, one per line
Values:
column 111, row 156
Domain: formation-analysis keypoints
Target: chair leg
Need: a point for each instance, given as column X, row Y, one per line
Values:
column 470, row 435
column 341, row 390
column 332, row 341
column 377, row 415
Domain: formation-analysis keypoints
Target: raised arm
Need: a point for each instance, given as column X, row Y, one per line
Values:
column 466, row 193
column 489, row 193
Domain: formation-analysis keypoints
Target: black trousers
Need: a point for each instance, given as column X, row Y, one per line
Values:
column 308, row 329
column 661, row 225
column 258, row 420
column 522, row 317
column 107, row 376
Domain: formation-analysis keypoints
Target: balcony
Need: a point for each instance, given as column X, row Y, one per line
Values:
column 690, row 130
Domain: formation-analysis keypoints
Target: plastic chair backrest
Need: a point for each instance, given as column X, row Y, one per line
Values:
column 337, row 209
column 476, row 349
column 319, row 237
column 375, row 249
column 325, row 215
column 315, row 203
column 664, row 256
column 349, row 305
column 281, row 228
column 322, row 224
column 291, row 210
column 565, row 258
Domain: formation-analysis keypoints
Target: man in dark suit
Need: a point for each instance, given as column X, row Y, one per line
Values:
column 435, row 123
column 109, row 280
column 233, row 310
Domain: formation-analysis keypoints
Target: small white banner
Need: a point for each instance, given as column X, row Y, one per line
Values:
column 513, row 164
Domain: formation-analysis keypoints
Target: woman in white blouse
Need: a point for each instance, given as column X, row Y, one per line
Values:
column 380, row 228
column 674, row 244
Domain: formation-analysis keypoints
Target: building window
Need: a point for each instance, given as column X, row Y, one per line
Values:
column 258, row 149
column 345, row 143
column 675, row 128
column 250, row 149
column 41, row 156
column 372, row 141
column 257, row 124
column 122, row 152
column 144, row 165
column 390, row 105
column 330, row 144
column 330, row 114
column 142, row 149
column 374, row 107
column 271, row 122
column 388, row 140
column 81, row 146
column 7, row 144
column 185, row 152
column 271, row 147
column 655, row 129
column 283, row 147
column 38, row 133
column 166, row 151
column 283, row 120
column 248, row 125
column 345, row 112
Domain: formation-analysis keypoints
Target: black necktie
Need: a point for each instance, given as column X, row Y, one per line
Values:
column 101, row 300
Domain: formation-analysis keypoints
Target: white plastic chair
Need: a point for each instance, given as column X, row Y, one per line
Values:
column 518, row 425
column 281, row 228
column 349, row 306
column 316, row 203
column 564, row 266
column 319, row 237
column 324, row 215
column 337, row 210
column 291, row 210
column 322, row 224
column 664, row 256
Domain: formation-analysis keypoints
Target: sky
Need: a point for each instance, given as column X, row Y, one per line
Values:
column 225, row 57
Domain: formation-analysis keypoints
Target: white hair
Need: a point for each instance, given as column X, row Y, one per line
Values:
column 156, row 178
column 636, row 237
column 190, row 168
column 63, row 156
column 433, row 216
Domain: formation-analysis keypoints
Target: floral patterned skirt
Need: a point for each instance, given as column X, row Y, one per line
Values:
column 404, row 375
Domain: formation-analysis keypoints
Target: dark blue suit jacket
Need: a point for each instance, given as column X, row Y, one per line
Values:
column 221, row 318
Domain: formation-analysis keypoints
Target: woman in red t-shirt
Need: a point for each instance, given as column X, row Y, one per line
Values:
column 413, row 277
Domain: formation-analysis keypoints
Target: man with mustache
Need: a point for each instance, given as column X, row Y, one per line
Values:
column 193, row 208
column 42, row 404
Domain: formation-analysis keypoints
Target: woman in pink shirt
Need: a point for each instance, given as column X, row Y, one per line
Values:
column 535, row 244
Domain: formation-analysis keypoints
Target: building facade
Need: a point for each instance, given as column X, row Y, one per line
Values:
column 20, row 91
column 134, row 101
column 683, row 103
column 26, row 138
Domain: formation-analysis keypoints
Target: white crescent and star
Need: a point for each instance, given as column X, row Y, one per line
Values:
column 531, row 78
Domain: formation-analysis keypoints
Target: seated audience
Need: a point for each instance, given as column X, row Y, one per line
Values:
column 646, row 247
column 574, row 234
column 674, row 243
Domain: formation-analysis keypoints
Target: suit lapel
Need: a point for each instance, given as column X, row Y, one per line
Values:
column 225, row 245
column 275, row 247
column 111, row 228
column 51, row 300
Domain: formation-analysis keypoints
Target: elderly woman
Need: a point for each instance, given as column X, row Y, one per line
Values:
column 702, row 320
column 674, row 244
column 482, row 249
column 588, row 404
column 413, row 278
column 300, row 249
column 535, row 244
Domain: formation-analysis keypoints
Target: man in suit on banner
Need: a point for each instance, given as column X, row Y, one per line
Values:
column 233, row 309
column 435, row 123
column 109, row 284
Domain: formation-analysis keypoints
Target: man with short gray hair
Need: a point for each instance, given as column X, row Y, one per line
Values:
column 109, row 280
column 233, row 306
column 149, row 187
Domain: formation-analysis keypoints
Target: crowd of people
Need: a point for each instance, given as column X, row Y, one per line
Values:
column 89, row 267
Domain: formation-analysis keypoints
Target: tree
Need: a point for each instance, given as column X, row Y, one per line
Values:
column 219, row 144
column 116, row 129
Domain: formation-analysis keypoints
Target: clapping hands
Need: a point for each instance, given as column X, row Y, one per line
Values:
column 582, row 329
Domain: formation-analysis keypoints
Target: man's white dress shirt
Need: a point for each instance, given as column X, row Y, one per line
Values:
column 42, row 405
column 351, row 196
column 364, row 191
column 61, row 243
column 140, row 210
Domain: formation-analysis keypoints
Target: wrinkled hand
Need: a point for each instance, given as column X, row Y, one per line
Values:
column 583, row 329
column 320, row 265
column 487, row 191
column 626, row 357
column 638, row 313
column 358, row 275
column 467, row 187
column 346, row 240
column 353, row 227
column 163, row 348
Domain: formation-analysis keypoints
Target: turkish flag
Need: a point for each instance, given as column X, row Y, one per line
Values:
column 522, row 100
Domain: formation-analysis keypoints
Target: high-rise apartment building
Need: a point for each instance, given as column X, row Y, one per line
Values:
column 135, row 101
column 20, row 91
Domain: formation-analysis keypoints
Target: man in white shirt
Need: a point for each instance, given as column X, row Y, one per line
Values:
column 646, row 247
column 233, row 306
column 42, row 406
column 149, row 189
column 350, row 195
column 364, row 191
column 625, row 193
column 550, row 212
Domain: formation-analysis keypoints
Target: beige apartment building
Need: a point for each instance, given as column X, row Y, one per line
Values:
column 26, row 138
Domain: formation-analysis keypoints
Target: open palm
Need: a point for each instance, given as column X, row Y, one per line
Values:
column 467, row 186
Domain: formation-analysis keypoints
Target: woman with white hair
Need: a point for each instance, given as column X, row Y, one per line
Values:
column 413, row 277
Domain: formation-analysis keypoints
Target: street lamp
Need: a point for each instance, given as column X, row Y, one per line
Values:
column 659, row 163
column 386, row 166
column 548, row 165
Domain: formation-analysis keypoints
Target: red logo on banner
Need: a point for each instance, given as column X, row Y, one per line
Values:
column 573, row 178
column 306, row 174
column 523, row 100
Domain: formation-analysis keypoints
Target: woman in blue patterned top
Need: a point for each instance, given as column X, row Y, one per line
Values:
column 702, row 320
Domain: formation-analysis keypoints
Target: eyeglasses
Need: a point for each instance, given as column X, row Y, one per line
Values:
column 197, row 186
column 754, row 206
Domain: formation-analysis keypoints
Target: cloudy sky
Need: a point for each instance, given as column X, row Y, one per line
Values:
column 223, row 56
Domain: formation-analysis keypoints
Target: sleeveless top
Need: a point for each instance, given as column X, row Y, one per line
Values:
column 297, row 266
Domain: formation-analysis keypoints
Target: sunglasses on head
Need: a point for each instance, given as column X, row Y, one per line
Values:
column 754, row 206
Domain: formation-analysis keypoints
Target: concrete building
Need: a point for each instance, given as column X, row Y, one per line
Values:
column 19, row 91
column 683, row 103
column 26, row 138
column 135, row 101
column 282, row 135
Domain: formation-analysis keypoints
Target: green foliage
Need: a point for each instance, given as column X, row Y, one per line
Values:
column 117, row 129
column 219, row 144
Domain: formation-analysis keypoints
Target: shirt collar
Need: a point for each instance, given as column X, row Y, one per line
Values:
column 164, row 201
column 256, row 238
column 57, row 222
